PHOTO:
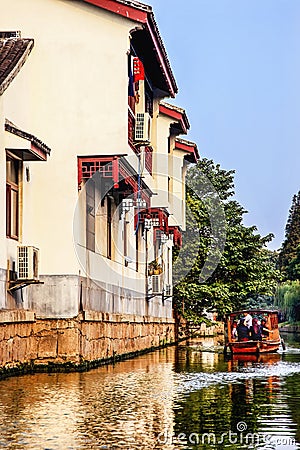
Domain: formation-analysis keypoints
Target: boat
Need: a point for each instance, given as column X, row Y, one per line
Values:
column 268, row 344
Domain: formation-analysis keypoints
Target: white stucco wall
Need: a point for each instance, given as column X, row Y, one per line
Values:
column 160, row 162
column 177, row 195
column 72, row 94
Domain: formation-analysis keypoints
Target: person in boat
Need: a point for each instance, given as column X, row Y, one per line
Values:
column 265, row 331
column 243, row 331
column 234, row 333
column 248, row 319
column 256, row 330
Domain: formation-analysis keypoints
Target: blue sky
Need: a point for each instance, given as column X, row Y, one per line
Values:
column 237, row 65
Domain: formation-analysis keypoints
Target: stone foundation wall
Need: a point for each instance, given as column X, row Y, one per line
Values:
column 89, row 338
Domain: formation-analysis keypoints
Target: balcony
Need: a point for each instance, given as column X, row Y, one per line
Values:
column 158, row 217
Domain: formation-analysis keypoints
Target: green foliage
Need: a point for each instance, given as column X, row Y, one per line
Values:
column 246, row 269
column 288, row 300
column 293, row 268
column 288, row 294
column 289, row 257
column 259, row 302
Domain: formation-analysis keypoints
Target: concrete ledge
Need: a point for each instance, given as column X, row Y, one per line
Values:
column 16, row 316
column 95, row 316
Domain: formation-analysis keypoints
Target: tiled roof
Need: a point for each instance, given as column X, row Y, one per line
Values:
column 173, row 107
column 136, row 4
column 186, row 142
column 12, row 128
column 13, row 54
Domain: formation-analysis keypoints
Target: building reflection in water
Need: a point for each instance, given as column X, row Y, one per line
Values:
column 127, row 405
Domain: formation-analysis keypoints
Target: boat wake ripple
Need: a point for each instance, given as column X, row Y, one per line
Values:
column 189, row 382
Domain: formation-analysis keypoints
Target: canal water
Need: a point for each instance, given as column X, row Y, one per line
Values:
column 185, row 397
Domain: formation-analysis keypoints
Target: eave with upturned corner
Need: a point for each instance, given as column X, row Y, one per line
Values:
column 13, row 54
column 181, row 123
column 32, row 150
column 189, row 148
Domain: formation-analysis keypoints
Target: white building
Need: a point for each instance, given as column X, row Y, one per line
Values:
column 105, row 206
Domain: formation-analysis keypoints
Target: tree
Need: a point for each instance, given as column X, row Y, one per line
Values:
column 289, row 247
column 293, row 268
column 288, row 294
column 239, row 267
column 288, row 299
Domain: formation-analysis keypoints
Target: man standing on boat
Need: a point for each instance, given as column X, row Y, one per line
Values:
column 247, row 319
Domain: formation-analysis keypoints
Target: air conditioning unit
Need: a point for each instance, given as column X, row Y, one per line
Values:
column 156, row 284
column 168, row 290
column 142, row 132
column 28, row 257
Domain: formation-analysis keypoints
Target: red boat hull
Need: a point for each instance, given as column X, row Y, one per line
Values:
column 254, row 347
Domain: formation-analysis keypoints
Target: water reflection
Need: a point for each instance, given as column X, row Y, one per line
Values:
column 177, row 398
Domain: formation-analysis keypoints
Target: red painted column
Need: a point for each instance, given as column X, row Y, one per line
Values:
column 115, row 169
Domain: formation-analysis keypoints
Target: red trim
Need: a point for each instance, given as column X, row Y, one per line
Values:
column 38, row 152
column 174, row 115
column 177, row 236
column 123, row 10
column 158, row 215
column 161, row 60
column 192, row 149
column 128, row 178
column 110, row 167
column 184, row 147
column 149, row 159
column 94, row 160
column 115, row 170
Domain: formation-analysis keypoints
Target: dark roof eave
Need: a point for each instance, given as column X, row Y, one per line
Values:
column 162, row 54
column 11, row 128
column 15, row 62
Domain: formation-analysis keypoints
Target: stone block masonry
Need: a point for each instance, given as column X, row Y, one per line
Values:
column 92, row 338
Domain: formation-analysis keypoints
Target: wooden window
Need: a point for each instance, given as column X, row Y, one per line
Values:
column 148, row 98
column 149, row 159
column 90, row 215
column 12, row 198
